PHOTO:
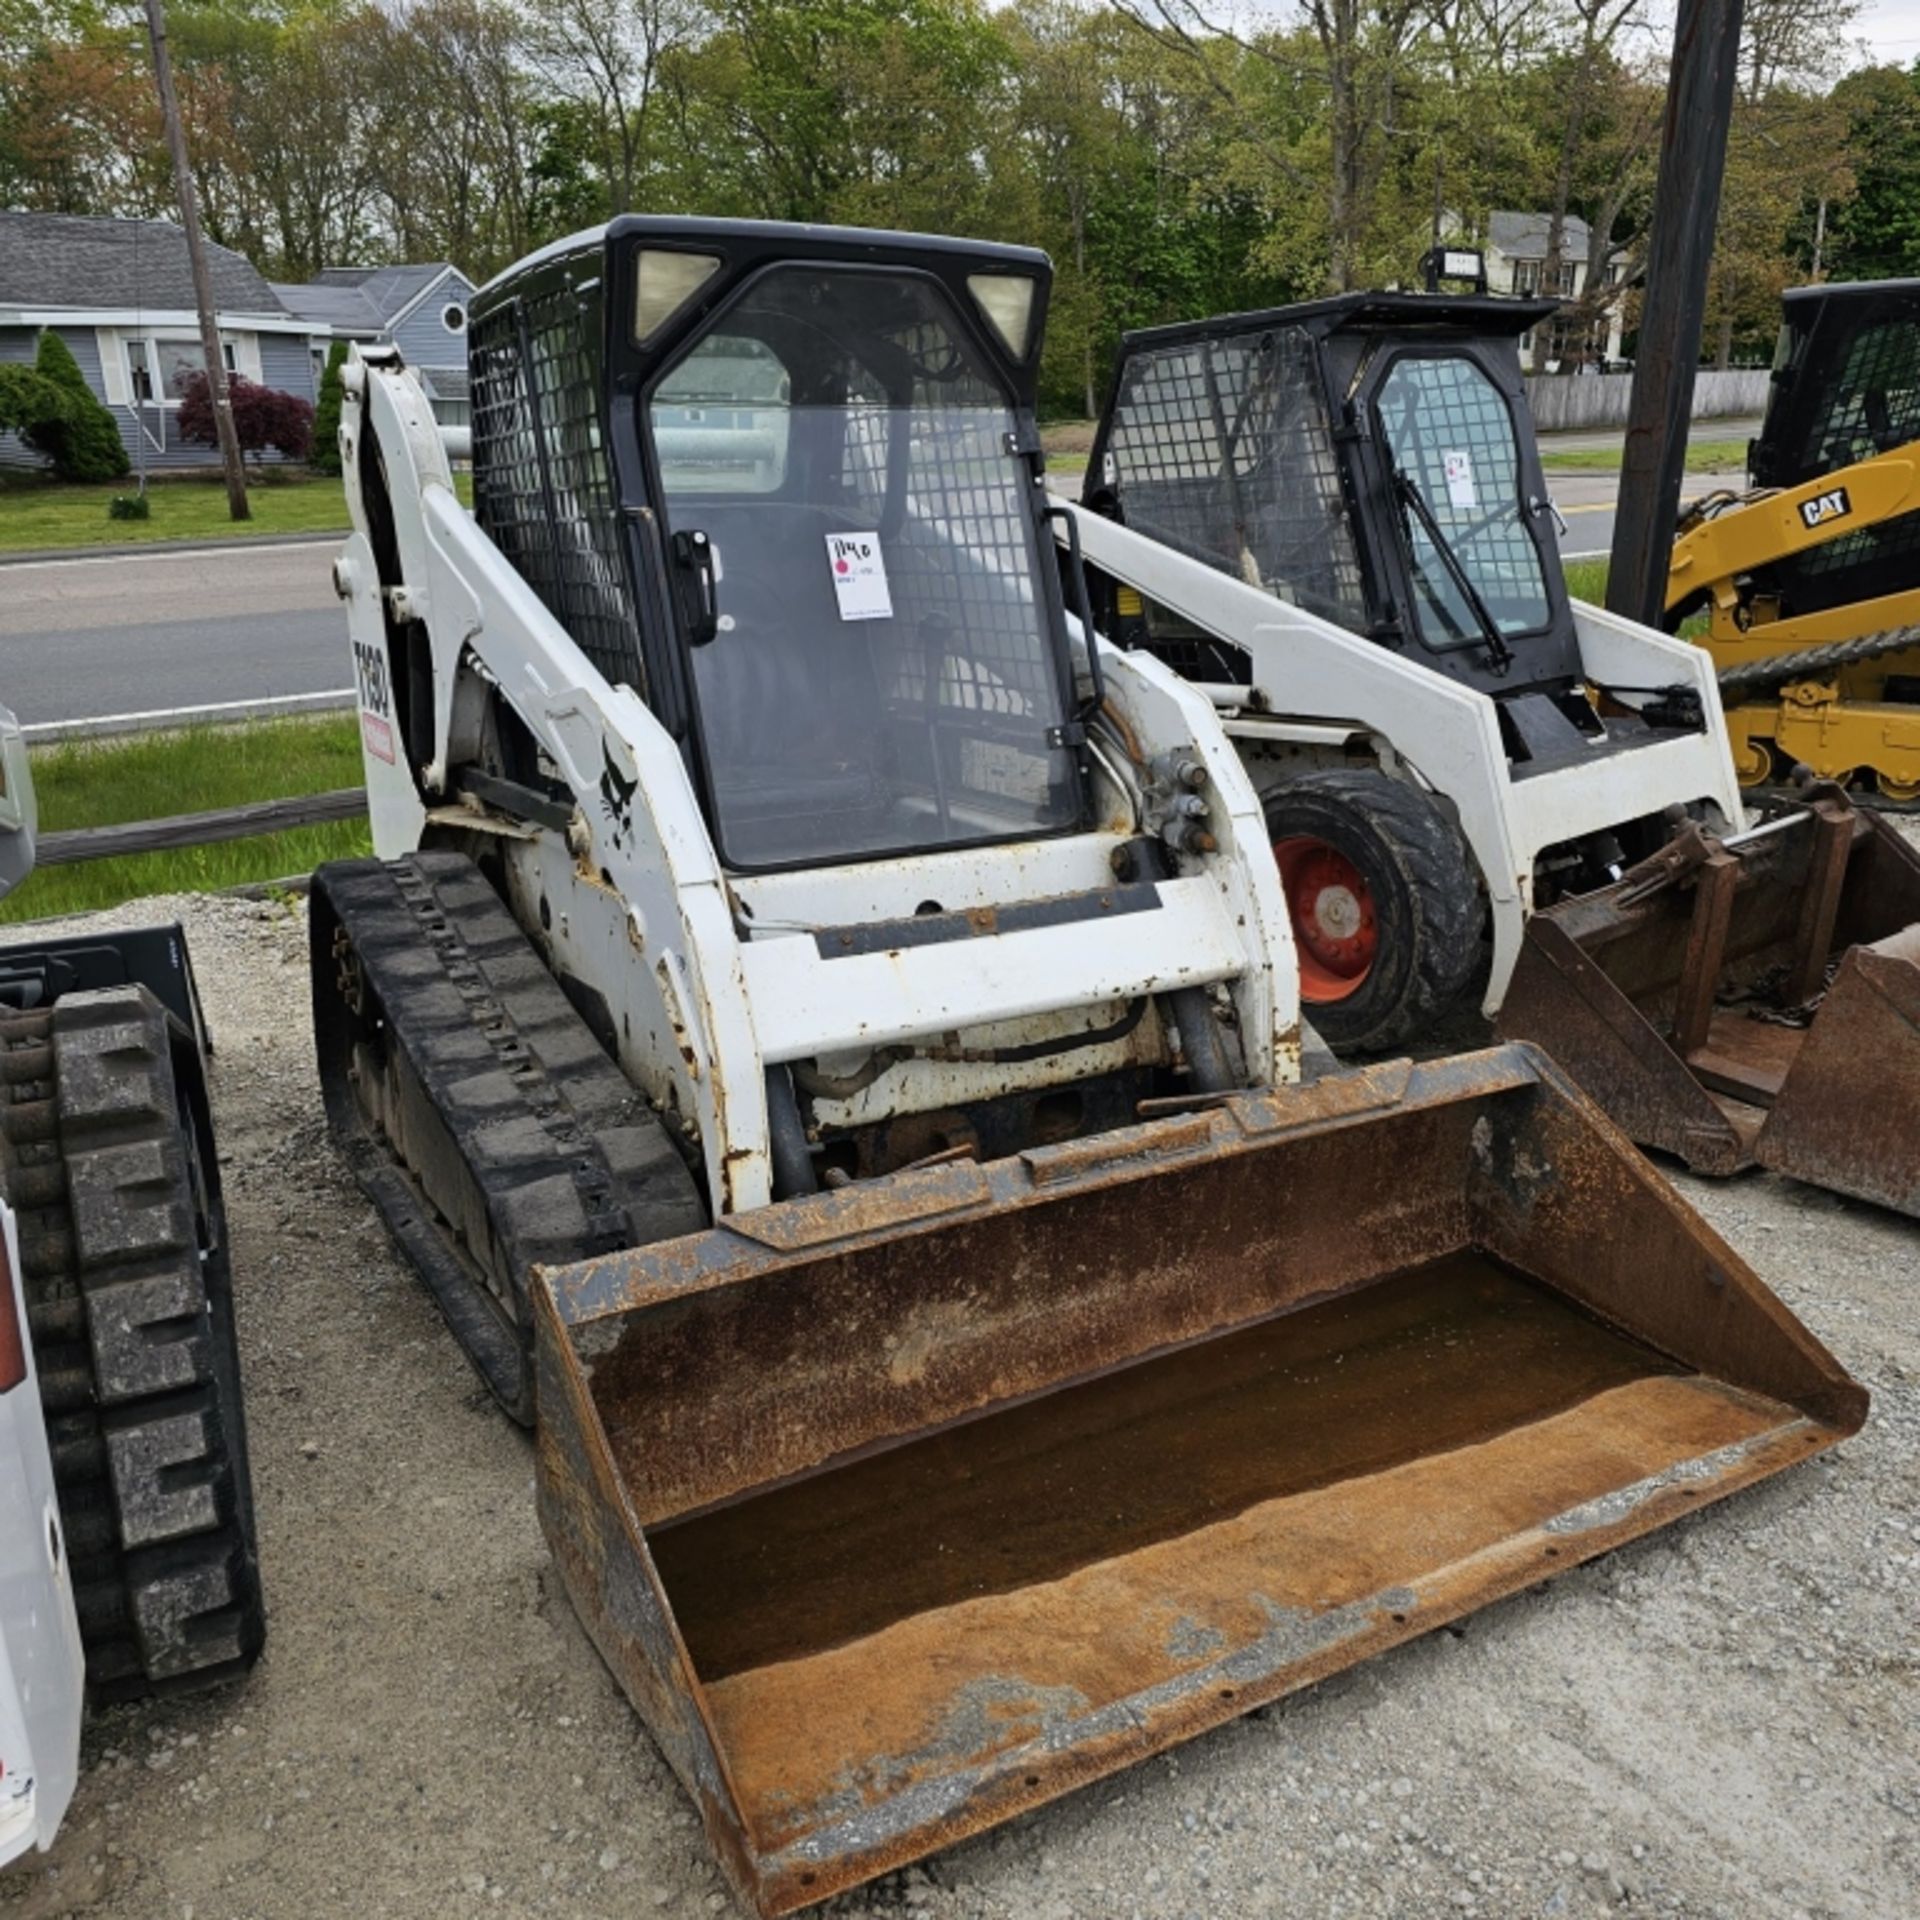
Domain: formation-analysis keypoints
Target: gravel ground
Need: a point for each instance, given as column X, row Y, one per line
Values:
column 1719, row 1720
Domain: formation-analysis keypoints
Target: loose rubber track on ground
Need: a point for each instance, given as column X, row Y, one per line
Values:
column 129, row 1301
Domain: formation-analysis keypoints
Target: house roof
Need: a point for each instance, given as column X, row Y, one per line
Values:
column 59, row 260
column 1523, row 236
column 363, row 299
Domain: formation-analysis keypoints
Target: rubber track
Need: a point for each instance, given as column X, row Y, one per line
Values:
column 1807, row 663
column 134, row 1342
column 558, row 1152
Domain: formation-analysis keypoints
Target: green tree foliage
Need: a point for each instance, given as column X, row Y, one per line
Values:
column 80, row 438
column 1175, row 157
column 1876, row 235
column 326, row 412
column 30, row 402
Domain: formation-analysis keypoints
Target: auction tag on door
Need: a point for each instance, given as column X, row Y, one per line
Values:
column 859, row 576
column 1459, row 468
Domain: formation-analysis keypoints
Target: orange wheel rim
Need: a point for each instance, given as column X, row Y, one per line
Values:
column 1336, row 932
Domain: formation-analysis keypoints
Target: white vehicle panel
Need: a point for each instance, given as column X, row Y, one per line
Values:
column 1312, row 679
column 805, row 1003
column 42, row 1669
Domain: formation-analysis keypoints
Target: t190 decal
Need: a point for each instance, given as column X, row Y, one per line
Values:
column 376, row 701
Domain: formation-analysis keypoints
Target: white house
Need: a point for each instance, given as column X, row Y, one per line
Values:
column 1516, row 255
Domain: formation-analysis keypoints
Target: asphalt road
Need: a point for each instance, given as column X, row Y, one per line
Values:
column 1586, row 502
column 1587, row 499
column 109, row 634
column 130, row 633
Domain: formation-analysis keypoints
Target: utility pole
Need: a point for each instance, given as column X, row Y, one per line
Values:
column 1686, row 206
column 217, row 393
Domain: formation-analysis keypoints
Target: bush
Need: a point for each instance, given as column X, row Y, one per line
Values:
column 129, row 506
column 326, row 416
column 263, row 417
column 28, row 400
column 72, row 428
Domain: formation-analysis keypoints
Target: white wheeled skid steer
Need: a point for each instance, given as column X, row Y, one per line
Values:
column 1352, row 555
column 1356, row 560
column 824, row 1027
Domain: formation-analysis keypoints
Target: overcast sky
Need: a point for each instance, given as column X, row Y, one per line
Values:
column 1891, row 29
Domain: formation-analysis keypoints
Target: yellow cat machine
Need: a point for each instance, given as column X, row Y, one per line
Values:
column 1811, row 580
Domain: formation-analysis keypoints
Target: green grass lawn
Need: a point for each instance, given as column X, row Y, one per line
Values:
column 1703, row 456
column 1587, row 580
column 97, row 783
column 45, row 514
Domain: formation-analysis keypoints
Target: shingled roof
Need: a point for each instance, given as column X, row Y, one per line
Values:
column 63, row 260
column 1523, row 236
column 359, row 299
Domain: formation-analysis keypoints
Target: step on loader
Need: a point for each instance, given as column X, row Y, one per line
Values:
column 1355, row 563
column 1810, row 579
column 823, row 1024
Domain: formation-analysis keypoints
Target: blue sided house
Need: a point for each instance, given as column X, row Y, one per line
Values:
column 120, row 293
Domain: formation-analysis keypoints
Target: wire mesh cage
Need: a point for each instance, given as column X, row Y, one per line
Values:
column 543, row 485
column 1221, row 448
column 1871, row 407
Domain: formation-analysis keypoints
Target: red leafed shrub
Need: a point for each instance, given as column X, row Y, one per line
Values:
column 263, row 417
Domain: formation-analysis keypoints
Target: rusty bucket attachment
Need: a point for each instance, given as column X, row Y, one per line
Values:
column 1749, row 999
column 901, row 1509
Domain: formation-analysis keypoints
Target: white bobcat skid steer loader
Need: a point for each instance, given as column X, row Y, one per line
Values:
column 829, row 1042
column 1352, row 552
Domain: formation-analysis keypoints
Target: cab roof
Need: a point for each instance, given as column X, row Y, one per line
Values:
column 1481, row 313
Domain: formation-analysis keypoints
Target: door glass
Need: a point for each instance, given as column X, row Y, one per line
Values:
column 884, row 675
column 721, row 418
column 1448, row 432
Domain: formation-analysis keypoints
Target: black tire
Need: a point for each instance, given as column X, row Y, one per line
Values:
column 106, row 1155
column 1426, row 908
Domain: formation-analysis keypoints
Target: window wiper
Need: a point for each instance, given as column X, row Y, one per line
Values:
column 1410, row 495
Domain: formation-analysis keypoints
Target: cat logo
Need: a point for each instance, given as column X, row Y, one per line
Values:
column 1831, row 505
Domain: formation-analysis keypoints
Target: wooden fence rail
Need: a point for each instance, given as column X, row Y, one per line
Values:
column 199, row 829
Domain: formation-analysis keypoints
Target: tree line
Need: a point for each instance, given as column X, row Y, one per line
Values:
column 1175, row 158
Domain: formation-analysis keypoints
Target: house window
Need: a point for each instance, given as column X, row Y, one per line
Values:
column 453, row 316
column 160, row 365
column 1530, row 276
